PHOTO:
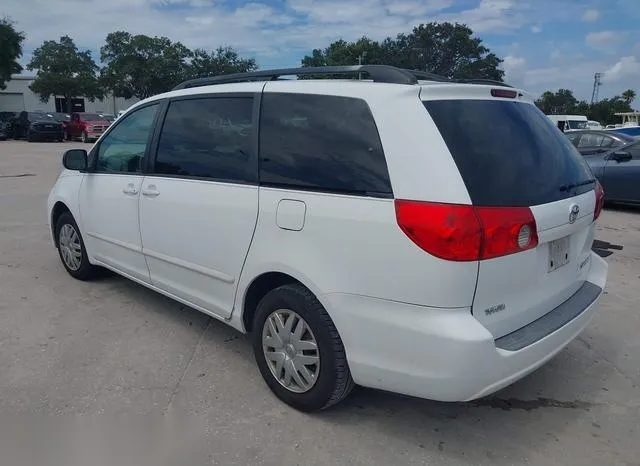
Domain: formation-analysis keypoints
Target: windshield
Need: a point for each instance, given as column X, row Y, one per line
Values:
column 509, row 153
column 90, row 117
column 577, row 124
column 40, row 116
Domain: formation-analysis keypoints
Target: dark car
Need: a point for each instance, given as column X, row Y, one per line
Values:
column 38, row 126
column 619, row 172
column 61, row 117
column 6, row 124
column 597, row 142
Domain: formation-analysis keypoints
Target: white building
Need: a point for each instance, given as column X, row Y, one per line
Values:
column 17, row 97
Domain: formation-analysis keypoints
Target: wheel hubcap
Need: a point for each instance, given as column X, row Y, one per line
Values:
column 291, row 350
column 70, row 248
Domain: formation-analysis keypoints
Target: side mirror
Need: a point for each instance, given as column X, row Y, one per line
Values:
column 620, row 156
column 75, row 159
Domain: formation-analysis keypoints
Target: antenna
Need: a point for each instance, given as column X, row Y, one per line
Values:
column 597, row 82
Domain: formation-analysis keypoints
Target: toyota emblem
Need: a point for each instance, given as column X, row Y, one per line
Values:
column 573, row 213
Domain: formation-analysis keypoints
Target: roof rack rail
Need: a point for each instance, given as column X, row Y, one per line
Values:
column 378, row 73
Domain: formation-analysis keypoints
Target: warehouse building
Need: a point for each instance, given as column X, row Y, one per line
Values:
column 17, row 97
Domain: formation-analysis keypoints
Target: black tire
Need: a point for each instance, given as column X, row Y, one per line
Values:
column 334, row 380
column 31, row 138
column 86, row 271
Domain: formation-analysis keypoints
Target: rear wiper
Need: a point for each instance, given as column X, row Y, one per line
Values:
column 567, row 187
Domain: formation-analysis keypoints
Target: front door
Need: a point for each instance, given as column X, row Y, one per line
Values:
column 109, row 194
column 621, row 178
column 199, row 204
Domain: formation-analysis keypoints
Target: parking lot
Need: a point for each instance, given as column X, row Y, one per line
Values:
column 113, row 347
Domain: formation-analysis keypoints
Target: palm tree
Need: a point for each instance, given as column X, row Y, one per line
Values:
column 629, row 96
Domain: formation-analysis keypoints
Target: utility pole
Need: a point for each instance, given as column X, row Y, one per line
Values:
column 597, row 82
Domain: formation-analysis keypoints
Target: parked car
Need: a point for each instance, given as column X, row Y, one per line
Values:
column 6, row 124
column 619, row 172
column 569, row 122
column 37, row 126
column 591, row 124
column 375, row 232
column 628, row 130
column 86, row 126
column 596, row 142
column 61, row 117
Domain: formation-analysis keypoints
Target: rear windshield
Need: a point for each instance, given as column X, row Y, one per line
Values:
column 509, row 153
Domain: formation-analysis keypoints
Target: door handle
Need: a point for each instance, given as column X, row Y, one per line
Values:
column 151, row 191
column 130, row 189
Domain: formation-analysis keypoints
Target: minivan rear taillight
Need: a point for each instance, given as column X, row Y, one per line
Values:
column 599, row 201
column 459, row 232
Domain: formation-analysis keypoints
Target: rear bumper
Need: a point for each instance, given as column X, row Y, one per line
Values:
column 446, row 354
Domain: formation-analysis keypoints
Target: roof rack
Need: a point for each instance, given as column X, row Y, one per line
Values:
column 378, row 73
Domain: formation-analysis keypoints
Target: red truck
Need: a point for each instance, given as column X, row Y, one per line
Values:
column 85, row 126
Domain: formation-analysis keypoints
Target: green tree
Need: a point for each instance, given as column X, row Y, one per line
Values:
column 141, row 66
column 561, row 102
column 220, row 61
column 64, row 70
column 629, row 96
column 10, row 51
column 442, row 48
column 604, row 111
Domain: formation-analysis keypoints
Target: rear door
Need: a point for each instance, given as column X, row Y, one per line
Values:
column 622, row 177
column 199, row 203
column 510, row 155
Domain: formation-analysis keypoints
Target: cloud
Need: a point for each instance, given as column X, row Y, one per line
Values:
column 590, row 15
column 489, row 15
column 514, row 70
column 604, row 40
column 536, row 29
column 626, row 67
column 556, row 54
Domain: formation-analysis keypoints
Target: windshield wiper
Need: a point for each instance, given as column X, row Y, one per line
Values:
column 567, row 187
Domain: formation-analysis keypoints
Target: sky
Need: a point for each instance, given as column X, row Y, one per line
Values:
column 545, row 44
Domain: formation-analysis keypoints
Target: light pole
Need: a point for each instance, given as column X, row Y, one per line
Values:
column 361, row 58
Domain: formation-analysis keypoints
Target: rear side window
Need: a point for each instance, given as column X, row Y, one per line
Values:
column 324, row 143
column 509, row 153
column 208, row 138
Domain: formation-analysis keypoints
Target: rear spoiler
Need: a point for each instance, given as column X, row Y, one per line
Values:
column 603, row 248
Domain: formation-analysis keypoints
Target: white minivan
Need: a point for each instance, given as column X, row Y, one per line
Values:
column 404, row 232
column 570, row 121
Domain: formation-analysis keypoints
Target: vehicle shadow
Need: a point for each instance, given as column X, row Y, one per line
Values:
column 531, row 415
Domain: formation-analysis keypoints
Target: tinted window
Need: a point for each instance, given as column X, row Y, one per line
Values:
column 508, row 153
column 122, row 150
column 573, row 137
column 323, row 143
column 208, row 138
column 590, row 140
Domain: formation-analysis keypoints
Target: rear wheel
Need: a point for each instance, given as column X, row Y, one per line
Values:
column 299, row 351
column 72, row 250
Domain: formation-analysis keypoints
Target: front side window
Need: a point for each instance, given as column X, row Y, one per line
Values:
column 208, row 138
column 122, row 150
column 319, row 142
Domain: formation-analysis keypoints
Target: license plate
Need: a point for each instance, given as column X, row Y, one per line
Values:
column 558, row 253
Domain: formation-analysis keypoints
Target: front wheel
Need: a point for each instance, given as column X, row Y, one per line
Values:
column 299, row 351
column 72, row 250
